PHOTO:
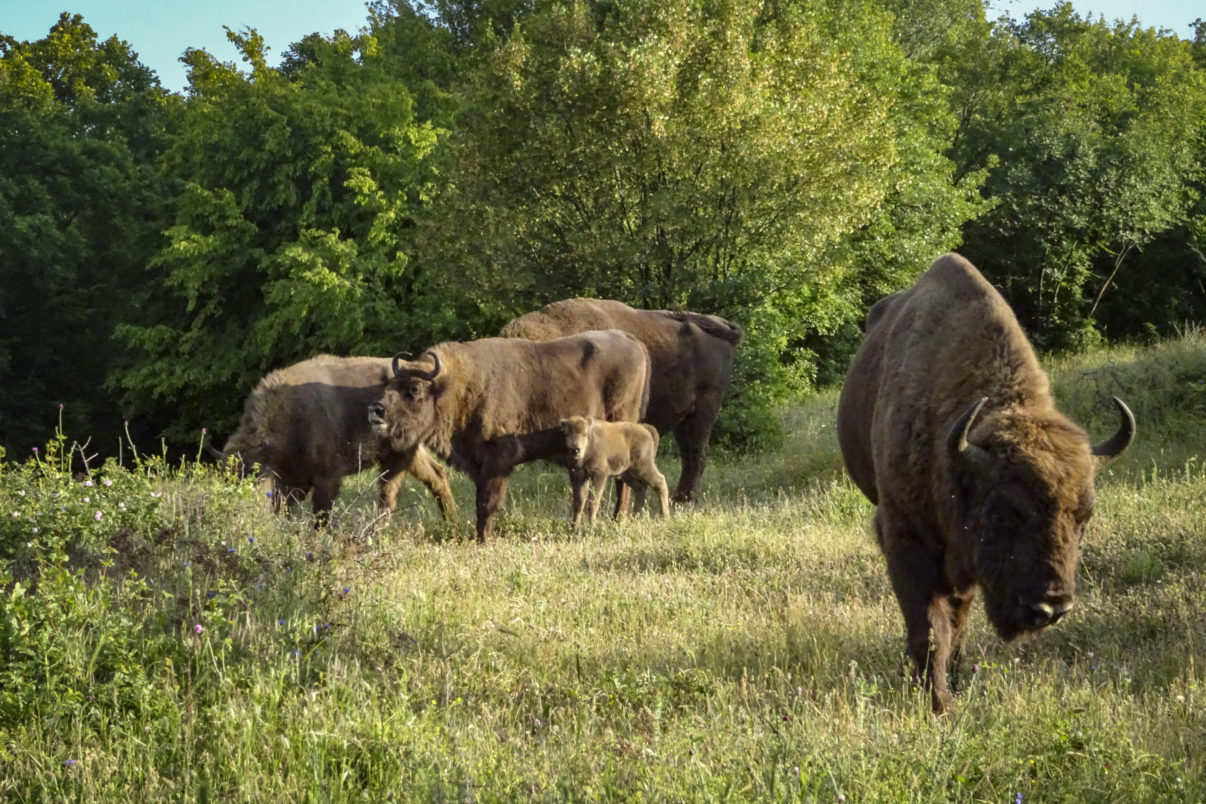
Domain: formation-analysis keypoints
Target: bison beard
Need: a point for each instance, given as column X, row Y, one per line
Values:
column 947, row 424
column 692, row 356
column 489, row 405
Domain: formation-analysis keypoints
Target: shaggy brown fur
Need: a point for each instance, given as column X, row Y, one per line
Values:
column 305, row 426
column 485, row 399
column 993, row 497
column 692, row 356
column 599, row 450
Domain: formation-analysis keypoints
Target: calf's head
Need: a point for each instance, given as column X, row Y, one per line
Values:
column 406, row 413
column 577, row 438
column 1026, row 494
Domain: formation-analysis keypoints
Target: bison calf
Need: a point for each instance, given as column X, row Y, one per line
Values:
column 597, row 450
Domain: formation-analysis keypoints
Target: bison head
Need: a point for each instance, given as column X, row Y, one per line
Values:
column 405, row 414
column 577, row 436
column 1027, row 493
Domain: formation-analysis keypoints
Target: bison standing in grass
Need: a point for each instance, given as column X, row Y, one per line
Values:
column 305, row 427
column 692, row 356
column 947, row 424
column 598, row 450
column 491, row 404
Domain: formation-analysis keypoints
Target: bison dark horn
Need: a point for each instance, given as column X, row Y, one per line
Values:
column 956, row 437
column 397, row 359
column 1121, row 439
column 430, row 375
column 214, row 453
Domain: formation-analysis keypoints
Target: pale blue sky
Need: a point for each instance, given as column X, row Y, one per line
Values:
column 160, row 30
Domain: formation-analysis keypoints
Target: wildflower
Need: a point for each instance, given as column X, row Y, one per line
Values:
column 35, row 449
column 69, row 763
column 21, row 493
column 280, row 622
column 108, row 482
column 841, row 798
column 88, row 484
column 121, row 505
column 198, row 629
column 16, row 514
column 186, row 564
column 347, row 590
column 251, row 540
column 1018, row 799
column 87, row 499
column 156, row 494
column 98, row 516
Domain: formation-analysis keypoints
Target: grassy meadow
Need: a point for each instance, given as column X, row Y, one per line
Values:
column 163, row 638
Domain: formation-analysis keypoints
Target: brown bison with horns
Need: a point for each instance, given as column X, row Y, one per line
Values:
column 947, row 424
column 692, row 356
column 488, row 405
column 304, row 425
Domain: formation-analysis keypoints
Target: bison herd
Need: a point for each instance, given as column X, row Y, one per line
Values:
column 945, row 422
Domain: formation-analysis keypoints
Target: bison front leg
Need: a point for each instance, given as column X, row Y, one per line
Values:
column 578, row 503
column 491, row 492
column 325, row 491
column 598, row 486
column 921, row 592
column 428, row 471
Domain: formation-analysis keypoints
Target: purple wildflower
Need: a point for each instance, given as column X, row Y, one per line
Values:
column 198, row 629
column 98, row 516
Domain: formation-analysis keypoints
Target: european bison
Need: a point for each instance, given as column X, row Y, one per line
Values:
column 947, row 424
column 692, row 356
column 598, row 450
column 490, row 404
column 304, row 425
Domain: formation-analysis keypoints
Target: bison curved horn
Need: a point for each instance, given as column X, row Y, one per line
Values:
column 397, row 359
column 419, row 373
column 213, row 451
column 1121, row 439
column 956, row 438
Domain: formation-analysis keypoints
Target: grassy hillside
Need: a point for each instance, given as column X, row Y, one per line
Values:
column 162, row 637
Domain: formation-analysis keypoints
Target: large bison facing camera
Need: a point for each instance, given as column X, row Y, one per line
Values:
column 692, row 356
column 947, row 424
column 491, row 404
column 304, row 426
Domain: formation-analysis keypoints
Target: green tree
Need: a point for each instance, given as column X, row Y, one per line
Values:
column 706, row 155
column 81, row 125
column 1088, row 133
column 291, row 235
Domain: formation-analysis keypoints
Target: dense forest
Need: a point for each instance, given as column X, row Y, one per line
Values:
column 456, row 163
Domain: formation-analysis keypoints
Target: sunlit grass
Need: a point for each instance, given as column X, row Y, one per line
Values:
column 746, row 649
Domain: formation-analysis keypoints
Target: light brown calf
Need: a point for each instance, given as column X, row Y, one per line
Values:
column 597, row 450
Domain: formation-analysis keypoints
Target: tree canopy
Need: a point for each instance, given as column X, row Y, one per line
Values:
column 453, row 164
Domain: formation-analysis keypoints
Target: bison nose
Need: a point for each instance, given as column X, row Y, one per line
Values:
column 376, row 412
column 1049, row 611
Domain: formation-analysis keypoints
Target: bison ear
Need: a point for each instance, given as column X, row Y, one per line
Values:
column 1108, row 450
column 957, row 445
